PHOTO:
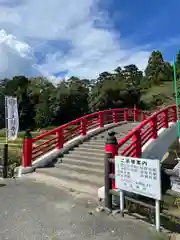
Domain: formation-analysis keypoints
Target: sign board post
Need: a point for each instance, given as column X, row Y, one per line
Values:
column 157, row 215
column 139, row 176
column 121, row 196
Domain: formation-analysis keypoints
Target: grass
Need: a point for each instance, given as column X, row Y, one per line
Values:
column 20, row 134
column 14, row 148
column 160, row 95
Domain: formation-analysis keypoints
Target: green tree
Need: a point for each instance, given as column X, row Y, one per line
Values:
column 117, row 89
column 42, row 103
column 157, row 70
column 18, row 87
column 61, row 107
column 79, row 96
column 154, row 67
column 43, row 110
column 70, row 100
column 178, row 64
column 133, row 76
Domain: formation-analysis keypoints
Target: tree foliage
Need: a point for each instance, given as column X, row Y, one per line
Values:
column 41, row 103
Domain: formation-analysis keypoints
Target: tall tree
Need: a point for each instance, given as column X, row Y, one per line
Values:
column 70, row 100
column 178, row 64
column 116, row 90
column 43, row 110
column 132, row 75
column 154, row 67
column 157, row 70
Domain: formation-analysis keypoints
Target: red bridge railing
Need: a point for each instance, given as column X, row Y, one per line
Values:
column 146, row 130
column 33, row 148
column 132, row 144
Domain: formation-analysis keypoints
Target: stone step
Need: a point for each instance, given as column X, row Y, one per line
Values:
column 79, row 152
column 92, row 146
column 67, row 175
column 96, row 143
column 103, row 140
column 101, row 137
column 84, row 157
column 105, row 135
column 89, row 149
column 81, row 169
column 83, row 162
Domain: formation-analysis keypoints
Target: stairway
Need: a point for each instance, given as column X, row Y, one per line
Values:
column 82, row 169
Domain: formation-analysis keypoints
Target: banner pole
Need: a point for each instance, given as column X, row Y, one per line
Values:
column 176, row 99
column 6, row 121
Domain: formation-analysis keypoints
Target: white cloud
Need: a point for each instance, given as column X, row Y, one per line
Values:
column 15, row 57
column 92, row 51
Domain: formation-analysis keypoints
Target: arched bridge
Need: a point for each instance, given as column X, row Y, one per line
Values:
column 73, row 153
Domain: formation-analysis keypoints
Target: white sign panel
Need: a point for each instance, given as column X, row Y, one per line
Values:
column 138, row 175
column 12, row 118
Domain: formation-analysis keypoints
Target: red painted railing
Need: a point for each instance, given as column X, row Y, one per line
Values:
column 34, row 148
column 131, row 145
column 146, row 130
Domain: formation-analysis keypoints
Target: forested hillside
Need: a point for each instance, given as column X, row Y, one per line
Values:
column 43, row 104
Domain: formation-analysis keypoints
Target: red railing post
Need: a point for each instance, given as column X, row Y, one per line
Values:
column 115, row 116
column 83, row 127
column 27, row 149
column 135, row 114
column 136, row 140
column 111, row 146
column 174, row 114
column 153, row 125
column 60, row 139
column 126, row 114
column 101, row 119
column 165, row 118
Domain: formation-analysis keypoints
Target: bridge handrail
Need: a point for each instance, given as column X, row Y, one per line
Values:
column 34, row 148
column 142, row 133
column 79, row 120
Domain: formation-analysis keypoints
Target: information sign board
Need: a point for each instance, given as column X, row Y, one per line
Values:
column 138, row 175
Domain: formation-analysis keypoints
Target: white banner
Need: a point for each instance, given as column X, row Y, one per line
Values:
column 12, row 118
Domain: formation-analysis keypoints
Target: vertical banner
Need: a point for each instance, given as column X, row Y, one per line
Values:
column 12, row 118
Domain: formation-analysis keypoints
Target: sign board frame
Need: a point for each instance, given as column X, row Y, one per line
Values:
column 133, row 176
column 138, row 175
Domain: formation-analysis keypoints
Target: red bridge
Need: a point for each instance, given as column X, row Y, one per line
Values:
column 72, row 154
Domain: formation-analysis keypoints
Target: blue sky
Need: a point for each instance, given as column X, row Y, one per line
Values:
column 84, row 37
column 155, row 23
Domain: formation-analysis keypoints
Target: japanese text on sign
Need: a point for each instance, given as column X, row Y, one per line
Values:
column 12, row 118
column 137, row 175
